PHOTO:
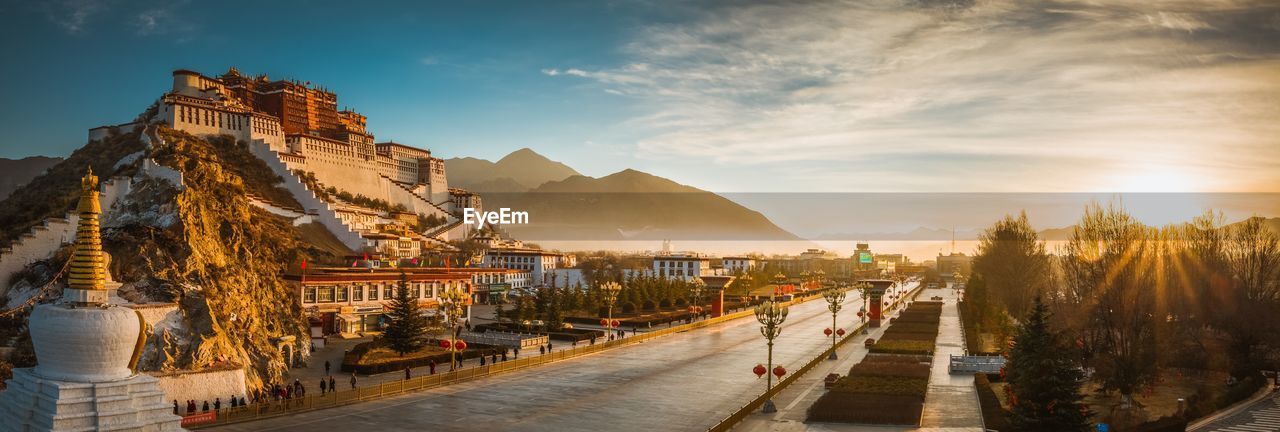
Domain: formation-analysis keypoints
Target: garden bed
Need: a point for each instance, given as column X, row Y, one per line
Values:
column 886, row 387
column 373, row 357
column 569, row 334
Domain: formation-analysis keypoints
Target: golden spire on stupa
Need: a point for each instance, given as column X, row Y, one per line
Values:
column 88, row 263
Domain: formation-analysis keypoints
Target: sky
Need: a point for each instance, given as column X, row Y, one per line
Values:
column 728, row 96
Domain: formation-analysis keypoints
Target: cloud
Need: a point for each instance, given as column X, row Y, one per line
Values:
column 430, row 61
column 73, row 15
column 847, row 88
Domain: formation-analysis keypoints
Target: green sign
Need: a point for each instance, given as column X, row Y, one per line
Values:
column 864, row 257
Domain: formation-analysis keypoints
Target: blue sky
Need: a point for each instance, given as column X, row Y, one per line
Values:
column 769, row 96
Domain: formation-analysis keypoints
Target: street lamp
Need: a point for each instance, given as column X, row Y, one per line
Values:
column 610, row 290
column 451, row 302
column 834, row 297
column 864, row 288
column 771, row 315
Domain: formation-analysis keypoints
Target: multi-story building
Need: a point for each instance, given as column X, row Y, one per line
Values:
column 682, row 266
column 738, row 264
column 342, row 300
column 956, row 262
column 539, row 263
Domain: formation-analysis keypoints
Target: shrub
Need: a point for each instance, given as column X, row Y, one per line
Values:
column 909, row 370
column 994, row 416
column 883, row 385
column 866, row 408
column 1162, row 424
column 899, row 346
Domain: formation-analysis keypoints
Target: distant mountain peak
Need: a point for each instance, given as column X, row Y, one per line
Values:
column 520, row 169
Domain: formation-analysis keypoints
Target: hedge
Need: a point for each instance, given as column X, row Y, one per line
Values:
column 569, row 335
column 901, row 346
column 994, row 416
column 882, row 385
column 472, row 351
column 1162, row 424
column 897, row 358
column 866, row 408
column 909, row 370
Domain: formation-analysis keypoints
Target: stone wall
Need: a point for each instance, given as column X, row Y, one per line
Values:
column 320, row 210
column 202, row 385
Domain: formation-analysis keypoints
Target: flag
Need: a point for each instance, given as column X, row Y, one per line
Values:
column 354, row 262
column 304, row 264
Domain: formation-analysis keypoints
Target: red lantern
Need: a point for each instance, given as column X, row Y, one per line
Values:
column 445, row 344
column 460, row 345
column 859, row 313
column 779, row 371
column 699, row 309
column 826, row 331
column 691, row 310
column 759, row 370
column 604, row 322
column 617, row 323
column 840, row 332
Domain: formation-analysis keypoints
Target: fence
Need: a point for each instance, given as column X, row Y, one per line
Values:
column 360, row 394
column 975, row 363
column 742, row 413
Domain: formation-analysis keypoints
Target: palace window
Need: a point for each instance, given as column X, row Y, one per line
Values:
column 309, row 295
column 342, row 294
column 388, row 293
column 373, row 293
column 357, row 293
column 324, row 294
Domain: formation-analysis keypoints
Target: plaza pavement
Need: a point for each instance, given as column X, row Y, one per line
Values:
column 1259, row 415
column 951, row 404
column 686, row 381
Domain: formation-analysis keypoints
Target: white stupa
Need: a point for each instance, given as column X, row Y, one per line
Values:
column 86, row 350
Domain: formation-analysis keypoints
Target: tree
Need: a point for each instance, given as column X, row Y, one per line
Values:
column 1045, row 383
column 1013, row 263
column 405, row 325
column 1246, row 310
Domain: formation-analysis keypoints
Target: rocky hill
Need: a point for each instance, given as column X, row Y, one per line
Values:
column 519, row 171
column 631, row 205
column 16, row 172
column 201, row 245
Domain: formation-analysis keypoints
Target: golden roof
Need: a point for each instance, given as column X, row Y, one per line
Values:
column 88, row 263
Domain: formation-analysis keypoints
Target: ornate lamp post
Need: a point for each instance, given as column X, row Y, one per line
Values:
column 771, row 315
column 451, row 302
column 864, row 289
column 610, row 290
column 834, row 297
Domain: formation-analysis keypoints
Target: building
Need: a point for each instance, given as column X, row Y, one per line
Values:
column 682, row 266
column 539, row 263
column 738, row 264
column 353, row 300
column 301, row 128
column 956, row 262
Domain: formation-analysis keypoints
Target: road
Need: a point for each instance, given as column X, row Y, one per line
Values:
column 688, row 381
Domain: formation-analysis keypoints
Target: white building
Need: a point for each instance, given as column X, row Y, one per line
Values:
column 682, row 266
column 735, row 265
column 537, row 262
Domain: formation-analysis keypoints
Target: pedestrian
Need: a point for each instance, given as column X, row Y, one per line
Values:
column 481, row 360
column 242, row 401
column 504, row 355
column 233, row 402
column 493, row 358
column 206, row 407
column 517, row 352
column 353, row 380
column 575, row 342
column 433, row 366
column 406, row 373
column 326, row 367
column 542, row 349
column 175, row 407
column 333, row 386
column 217, row 404
column 191, row 406
column 322, row 387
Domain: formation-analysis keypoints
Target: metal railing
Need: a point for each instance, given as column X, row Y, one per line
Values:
column 332, row 399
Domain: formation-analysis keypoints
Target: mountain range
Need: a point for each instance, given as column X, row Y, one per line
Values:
column 16, row 172
column 627, row 205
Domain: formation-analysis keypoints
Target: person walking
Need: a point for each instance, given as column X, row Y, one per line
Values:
column 326, row 367
column 205, row 408
column 333, row 385
column 217, row 404
column 481, row 360
column 504, row 355
column 493, row 358
column 353, row 380
column 432, row 365
column 406, row 373
column 517, row 352
column 542, row 349
column 323, row 387
column 175, row 407
column 242, row 401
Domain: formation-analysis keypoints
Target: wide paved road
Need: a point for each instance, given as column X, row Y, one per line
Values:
column 683, row 382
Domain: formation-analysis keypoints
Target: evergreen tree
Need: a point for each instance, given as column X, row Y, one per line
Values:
column 405, row 325
column 1045, row 382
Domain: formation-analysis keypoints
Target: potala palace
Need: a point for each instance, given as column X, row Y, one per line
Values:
column 299, row 131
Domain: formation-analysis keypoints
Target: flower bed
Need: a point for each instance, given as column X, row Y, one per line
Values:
column 357, row 360
column 887, row 388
